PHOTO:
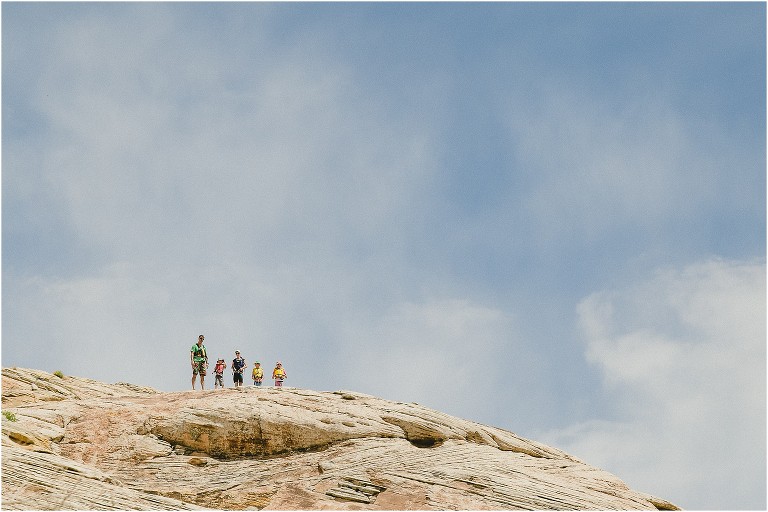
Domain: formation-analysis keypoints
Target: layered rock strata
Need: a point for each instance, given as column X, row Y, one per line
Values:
column 82, row 444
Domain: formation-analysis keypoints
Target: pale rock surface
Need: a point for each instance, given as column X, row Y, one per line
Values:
column 79, row 444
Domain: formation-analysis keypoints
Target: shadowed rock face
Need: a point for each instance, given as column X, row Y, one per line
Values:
column 82, row 444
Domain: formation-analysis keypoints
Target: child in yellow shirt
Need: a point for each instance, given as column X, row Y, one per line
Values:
column 257, row 374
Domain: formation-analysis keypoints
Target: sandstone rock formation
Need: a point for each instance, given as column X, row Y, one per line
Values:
column 82, row 444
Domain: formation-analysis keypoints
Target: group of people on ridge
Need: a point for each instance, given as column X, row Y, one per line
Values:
column 198, row 358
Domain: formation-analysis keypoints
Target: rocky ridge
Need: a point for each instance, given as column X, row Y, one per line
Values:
column 78, row 444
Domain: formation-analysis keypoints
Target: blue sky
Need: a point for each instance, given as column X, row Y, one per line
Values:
column 548, row 217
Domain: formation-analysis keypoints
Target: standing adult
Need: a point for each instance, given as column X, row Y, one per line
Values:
column 238, row 365
column 198, row 358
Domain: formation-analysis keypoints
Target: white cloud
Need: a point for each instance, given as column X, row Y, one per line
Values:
column 684, row 362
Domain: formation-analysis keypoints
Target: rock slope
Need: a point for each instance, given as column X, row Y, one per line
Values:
column 79, row 444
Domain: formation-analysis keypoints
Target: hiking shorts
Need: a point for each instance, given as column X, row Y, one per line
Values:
column 279, row 383
column 199, row 368
column 257, row 383
column 238, row 377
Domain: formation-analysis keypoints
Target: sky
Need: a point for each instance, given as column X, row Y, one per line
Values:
column 545, row 217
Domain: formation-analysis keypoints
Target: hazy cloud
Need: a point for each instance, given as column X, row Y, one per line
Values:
column 683, row 359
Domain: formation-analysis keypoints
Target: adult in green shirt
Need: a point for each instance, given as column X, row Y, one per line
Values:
column 198, row 358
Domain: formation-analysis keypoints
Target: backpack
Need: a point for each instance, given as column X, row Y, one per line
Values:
column 198, row 350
